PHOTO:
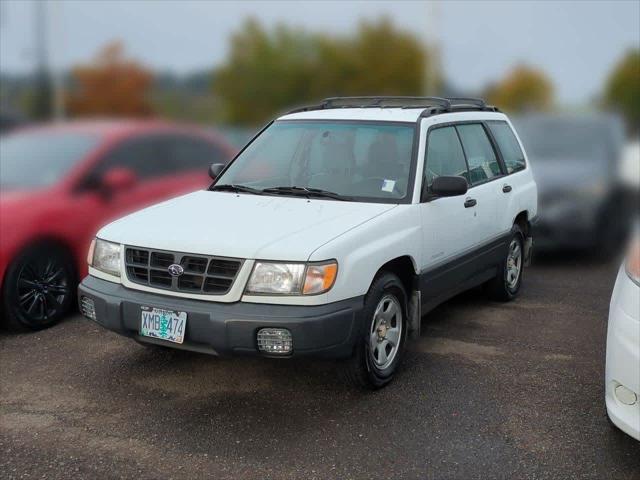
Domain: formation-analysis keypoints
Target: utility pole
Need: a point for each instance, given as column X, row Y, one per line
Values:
column 57, row 71
column 432, row 73
column 42, row 101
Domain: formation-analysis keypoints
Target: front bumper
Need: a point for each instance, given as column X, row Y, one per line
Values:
column 623, row 354
column 223, row 329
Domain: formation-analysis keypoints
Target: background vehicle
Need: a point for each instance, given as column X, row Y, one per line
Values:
column 60, row 183
column 343, row 221
column 622, row 380
column 577, row 161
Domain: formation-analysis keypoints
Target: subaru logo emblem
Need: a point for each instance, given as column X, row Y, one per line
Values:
column 175, row 270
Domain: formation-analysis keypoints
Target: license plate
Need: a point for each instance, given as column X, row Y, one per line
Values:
column 163, row 324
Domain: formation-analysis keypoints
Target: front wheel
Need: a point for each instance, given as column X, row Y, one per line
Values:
column 508, row 280
column 379, row 350
column 38, row 288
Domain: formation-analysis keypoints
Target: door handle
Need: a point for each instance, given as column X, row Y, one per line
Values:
column 506, row 188
column 470, row 202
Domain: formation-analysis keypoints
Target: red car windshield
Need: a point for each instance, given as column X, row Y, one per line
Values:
column 39, row 159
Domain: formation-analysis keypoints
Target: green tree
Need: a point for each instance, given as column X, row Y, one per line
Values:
column 269, row 71
column 523, row 88
column 622, row 89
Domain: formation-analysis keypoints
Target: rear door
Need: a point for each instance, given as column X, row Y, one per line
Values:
column 485, row 174
column 516, row 181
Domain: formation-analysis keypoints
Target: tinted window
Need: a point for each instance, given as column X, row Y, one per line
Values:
column 483, row 164
column 444, row 155
column 508, row 145
column 37, row 159
column 194, row 154
column 145, row 156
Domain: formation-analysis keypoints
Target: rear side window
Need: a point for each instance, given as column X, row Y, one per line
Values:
column 444, row 155
column 187, row 153
column 483, row 164
column 508, row 145
column 144, row 155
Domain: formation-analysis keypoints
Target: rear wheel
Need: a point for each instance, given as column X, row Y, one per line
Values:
column 38, row 288
column 379, row 350
column 506, row 284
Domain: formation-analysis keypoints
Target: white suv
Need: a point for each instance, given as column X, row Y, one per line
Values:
column 330, row 234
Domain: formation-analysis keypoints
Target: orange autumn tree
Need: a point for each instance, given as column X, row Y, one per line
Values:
column 523, row 88
column 111, row 85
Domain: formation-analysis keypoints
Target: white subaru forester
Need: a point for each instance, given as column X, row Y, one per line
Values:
column 330, row 234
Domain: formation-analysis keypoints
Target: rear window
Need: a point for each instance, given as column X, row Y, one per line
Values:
column 483, row 164
column 508, row 145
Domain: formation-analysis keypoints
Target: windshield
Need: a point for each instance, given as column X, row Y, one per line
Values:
column 555, row 139
column 39, row 159
column 366, row 161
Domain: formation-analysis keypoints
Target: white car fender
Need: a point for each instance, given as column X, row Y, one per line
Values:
column 363, row 250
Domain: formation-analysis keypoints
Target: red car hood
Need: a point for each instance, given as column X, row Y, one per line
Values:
column 17, row 207
column 11, row 199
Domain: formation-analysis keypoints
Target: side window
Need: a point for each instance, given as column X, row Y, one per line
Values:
column 508, row 145
column 142, row 155
column 483, row 164
column 444, row 155
column 187, row 153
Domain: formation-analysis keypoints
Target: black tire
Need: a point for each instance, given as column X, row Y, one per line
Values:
column 361, row 370
column 501, row 288
column 39, row 288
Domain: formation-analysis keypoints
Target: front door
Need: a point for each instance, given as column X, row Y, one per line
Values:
column 448, row 223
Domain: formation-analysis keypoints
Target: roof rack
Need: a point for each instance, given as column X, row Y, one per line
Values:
column 432, row 105
column 464, row 101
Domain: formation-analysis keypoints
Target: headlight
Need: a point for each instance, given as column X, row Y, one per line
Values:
column 632, row 263
column 106, row 257
column 292, row 278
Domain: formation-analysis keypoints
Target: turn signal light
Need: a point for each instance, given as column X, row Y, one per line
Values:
column 319, row 278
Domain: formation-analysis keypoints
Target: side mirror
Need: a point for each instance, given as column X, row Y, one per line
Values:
column 118, row 179
column 449, row 186
column 215, row 170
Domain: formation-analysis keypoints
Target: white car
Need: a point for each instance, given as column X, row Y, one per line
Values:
column 329, row 234
column 623, row 347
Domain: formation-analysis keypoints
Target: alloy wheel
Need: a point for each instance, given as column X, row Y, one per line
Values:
column 386, row 331
column 514, row 264
column 42, row 288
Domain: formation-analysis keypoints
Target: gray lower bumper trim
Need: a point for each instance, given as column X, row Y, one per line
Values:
column 226, row 328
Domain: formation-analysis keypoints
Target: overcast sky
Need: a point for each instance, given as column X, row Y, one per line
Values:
column 575, row 42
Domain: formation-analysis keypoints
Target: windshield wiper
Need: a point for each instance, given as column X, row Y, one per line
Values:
column 226, row 187
column 306, row 192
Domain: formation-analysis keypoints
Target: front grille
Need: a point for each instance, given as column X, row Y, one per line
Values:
column 202, row 274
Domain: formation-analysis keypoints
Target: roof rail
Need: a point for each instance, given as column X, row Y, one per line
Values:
column 476, row 102
column 432, row 105
column 386, row 101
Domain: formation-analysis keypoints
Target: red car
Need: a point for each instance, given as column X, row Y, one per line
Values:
column 60, row 183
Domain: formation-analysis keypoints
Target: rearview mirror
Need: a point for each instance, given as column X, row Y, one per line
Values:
column 118, row 179
column 449, row 186
column 215, row 170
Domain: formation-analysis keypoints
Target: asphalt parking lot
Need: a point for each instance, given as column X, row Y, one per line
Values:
column 489, row 391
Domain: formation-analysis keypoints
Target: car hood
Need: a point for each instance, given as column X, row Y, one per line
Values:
column 567, row 174
column 241, row 225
